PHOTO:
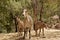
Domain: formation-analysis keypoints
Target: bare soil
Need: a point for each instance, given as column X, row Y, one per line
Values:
column 50, row 34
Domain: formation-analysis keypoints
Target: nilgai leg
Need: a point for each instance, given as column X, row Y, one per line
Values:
column 39, row 31
column 29, row 34
column 43, row 32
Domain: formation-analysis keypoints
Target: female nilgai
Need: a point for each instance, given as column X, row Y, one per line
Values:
column 28, row 22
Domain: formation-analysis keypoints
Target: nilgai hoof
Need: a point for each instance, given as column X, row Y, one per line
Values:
column 29, row 37
column 43, row 37
column 23, row 37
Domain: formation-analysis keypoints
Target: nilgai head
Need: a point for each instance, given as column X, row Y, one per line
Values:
column 25, row 12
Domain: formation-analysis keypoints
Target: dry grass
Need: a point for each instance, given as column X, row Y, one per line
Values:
column 50, row 34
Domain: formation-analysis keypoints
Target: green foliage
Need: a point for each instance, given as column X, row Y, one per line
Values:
column 9, row 8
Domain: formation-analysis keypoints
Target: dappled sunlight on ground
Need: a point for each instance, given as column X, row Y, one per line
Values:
column 50, row 34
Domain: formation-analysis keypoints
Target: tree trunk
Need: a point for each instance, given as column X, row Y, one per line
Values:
column 41, row 11
column 34, row 2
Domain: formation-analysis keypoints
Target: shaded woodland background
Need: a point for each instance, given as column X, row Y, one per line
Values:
column 10, row 8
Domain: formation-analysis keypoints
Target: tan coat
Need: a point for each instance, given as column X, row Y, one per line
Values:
column 28, row 22
column 39, row 25
column 20, row 25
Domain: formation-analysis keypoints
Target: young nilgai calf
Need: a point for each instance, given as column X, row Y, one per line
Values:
column 39, row 25
column 20, row 24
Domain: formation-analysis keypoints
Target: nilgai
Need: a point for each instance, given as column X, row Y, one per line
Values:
column 38, row 25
